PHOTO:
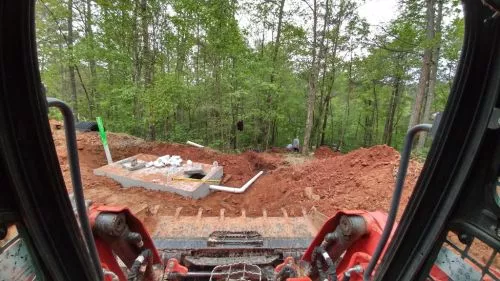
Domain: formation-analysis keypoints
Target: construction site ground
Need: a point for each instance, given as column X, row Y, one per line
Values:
column 329, row 181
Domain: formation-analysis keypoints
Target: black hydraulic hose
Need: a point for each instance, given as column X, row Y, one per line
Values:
column 321, row 274
column 347, row 274
column 331, row 268
column 286, row 272
column 331, row 271
column 144, row 257
column 329, row 239
column 74, row 167
column 396, row 197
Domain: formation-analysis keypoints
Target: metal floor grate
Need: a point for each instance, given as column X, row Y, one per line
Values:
column 236, row 272
column 466, row 260
column 235, row 238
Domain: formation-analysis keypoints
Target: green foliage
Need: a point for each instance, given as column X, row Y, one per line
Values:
column 182, row 70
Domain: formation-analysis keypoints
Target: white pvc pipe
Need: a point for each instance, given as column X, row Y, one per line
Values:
column 235, row 189
column 108, row 154
column 195, row 144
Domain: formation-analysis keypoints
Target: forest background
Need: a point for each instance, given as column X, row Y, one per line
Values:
column 177, row 70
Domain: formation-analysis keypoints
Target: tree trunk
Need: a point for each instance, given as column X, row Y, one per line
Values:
column 368, row 125
column 325, row 92
column 234, row 120
column 263, row 38
column 277, row 43
column 323, row 126
column 311, row 94
column 136, row 57
column 151, row 132
column 91, row 60
column 370, row 117
column 375, row 114
column 391, row 112
column 181, row 51
column 345, row 122
column 315, row 71
column 146, row 51
column 357, row 126
column 433, row 76
column 72, row 79
column 325, row 103
column 416, row 114
column 270, row 136
column 147, row 63
column 62, row 72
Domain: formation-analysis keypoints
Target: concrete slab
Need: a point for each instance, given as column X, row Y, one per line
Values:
column 170, row 179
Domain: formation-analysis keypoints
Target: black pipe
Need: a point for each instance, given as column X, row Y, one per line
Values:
column 331, row 268
column 144, row 257
column 74, row 167
column 347, row 274
column 331, row 271
column 135, row 239
column 396, row 197
column 329, row 239
column 286, row 272
column 321, row 273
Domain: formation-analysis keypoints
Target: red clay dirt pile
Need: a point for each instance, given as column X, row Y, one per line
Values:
column 325, row 152
column 361, row 179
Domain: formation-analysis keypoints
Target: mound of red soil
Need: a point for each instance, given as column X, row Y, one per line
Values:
column 325, row 152
column 362, row 179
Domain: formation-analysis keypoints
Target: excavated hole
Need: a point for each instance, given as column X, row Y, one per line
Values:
column 197, row 176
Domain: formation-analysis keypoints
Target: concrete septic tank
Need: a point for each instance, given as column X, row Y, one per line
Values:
column 169, row 178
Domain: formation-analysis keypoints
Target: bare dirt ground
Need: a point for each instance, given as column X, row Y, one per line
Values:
column 330, row 181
